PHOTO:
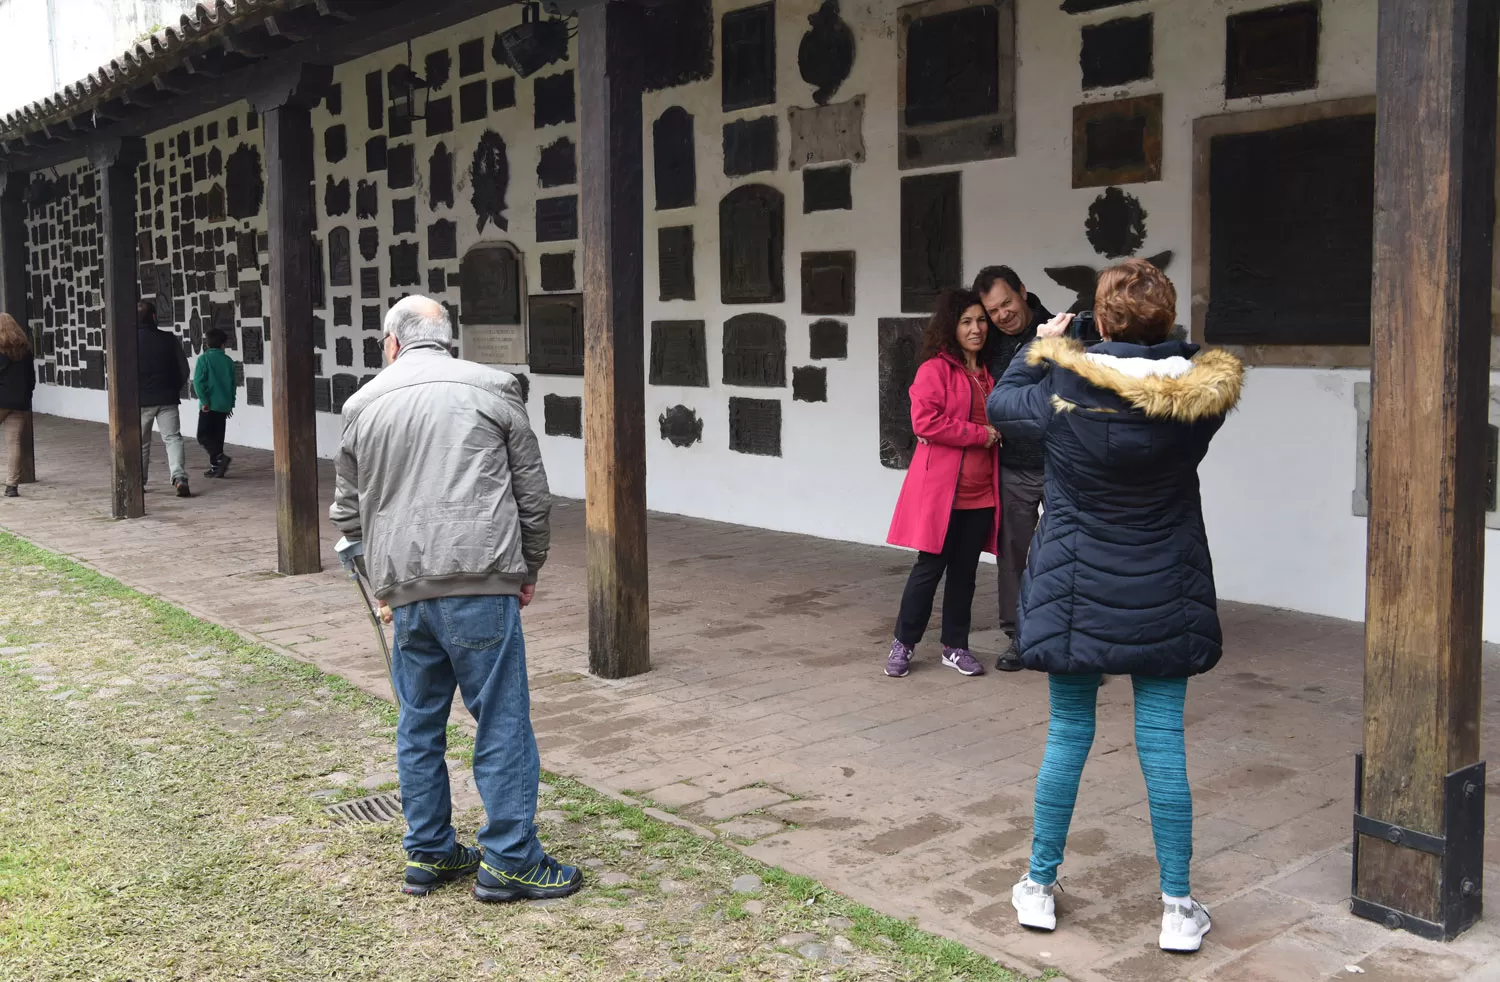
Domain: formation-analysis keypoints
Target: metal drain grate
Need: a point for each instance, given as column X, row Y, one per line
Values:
column 382, row 807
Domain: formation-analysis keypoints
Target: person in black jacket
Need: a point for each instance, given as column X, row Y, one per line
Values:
column 17, row 382
column 1016, row 316
column 162, row 369
column 1119, row 580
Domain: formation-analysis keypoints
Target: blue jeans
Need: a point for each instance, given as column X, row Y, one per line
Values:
column 475, row 644
column 1163, row 756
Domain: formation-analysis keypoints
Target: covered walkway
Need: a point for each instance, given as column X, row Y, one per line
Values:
column 766, row 718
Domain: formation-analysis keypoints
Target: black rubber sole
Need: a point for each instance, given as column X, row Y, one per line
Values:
column 423, row 889
column 501, row 895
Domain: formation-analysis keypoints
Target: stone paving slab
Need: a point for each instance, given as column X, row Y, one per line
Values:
column 766, row 715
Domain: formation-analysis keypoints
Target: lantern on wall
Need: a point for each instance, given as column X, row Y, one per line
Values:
column 409, row 91
column 534, row 43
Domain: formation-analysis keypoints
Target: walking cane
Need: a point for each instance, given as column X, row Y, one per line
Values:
column 352, row 558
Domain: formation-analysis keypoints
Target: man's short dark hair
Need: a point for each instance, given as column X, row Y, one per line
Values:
column 215, row 338
column 145, row 311
column 990, row 275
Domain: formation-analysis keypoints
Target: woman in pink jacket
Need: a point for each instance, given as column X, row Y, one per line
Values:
column 948, row 509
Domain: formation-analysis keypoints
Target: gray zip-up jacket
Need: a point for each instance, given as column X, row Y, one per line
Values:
column 440, row 473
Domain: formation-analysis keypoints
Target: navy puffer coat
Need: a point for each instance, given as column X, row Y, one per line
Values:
column 1119, row 578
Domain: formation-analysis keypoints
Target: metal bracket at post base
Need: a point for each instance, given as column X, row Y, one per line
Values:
column 1460, row 852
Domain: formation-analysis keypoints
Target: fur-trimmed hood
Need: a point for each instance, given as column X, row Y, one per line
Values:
column 1171, row 381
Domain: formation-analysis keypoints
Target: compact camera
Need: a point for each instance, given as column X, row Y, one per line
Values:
column 1084, row 328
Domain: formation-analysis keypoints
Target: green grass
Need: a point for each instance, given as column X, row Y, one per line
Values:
column 159, row 821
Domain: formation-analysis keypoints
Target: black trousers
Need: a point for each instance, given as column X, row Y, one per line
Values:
column 1020, row 500
column 211, row 434
column 968, row 534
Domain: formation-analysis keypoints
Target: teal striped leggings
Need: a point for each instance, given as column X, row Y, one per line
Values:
column 1158, row 744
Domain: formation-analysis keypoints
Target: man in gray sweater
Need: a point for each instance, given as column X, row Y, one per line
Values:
column 440, row 475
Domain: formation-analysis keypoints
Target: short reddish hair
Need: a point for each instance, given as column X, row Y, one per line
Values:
column 1135, row 302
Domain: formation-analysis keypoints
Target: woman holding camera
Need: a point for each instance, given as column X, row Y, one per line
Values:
column 948, row 505
column 1119, row 580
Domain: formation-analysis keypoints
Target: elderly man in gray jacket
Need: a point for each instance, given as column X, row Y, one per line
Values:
column 440, row 474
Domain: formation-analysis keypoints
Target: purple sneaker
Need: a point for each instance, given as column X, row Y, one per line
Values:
column 963, row 660
column 898, row 662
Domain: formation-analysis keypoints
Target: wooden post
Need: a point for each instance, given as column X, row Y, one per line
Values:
column 1430, row 344
column 13, row 261
column 614, row 448
column 285, row 101
column 116, row 161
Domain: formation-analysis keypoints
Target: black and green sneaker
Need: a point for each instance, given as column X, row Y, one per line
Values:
column 544, row 881
column 425, row 872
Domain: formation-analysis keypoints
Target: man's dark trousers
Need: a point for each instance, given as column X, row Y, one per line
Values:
column 1020, row 499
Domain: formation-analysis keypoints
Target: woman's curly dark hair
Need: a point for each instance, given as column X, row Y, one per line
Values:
column 942, row 329
column 14, row 344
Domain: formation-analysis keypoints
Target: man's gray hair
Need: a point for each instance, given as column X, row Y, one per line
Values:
column 419, row 319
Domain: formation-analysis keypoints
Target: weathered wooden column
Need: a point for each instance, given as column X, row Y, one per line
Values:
column 116, row 161
column 285, row 100
column 13, row 260
column 1420, row 815
column 614, row 449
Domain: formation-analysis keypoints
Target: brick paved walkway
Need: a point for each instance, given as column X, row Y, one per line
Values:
column 767, row 718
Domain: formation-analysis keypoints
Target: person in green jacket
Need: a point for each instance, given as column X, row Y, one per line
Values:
column 213, row 380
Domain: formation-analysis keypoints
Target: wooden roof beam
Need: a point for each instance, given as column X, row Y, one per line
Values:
column 338, row 9
column 206, row 65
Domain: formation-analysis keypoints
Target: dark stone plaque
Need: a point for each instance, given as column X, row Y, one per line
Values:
column 369, row 282
column 826, row 53
column 370, row 317
column 344, row 386
column 471, row 57
column 215, row 162
column 343, row 352
column 249, row 298
column 322, row 396
column 254, row 352
column 437, row 66
column 401, row 166
column 557, row 218
column 336, row 196
column 255, row 391
column 148, row 279
column 406, row 262
column 750, row 146
column 369, row 243
column 562, row 416
column 216, row 203
column 503, row 94
column 828, row 282
column 343, row 315
column 755, row 350
column 440, row 178
column 931, row 238
column 490, row 289
column 557, row 164
column 335, row 143
column 900, row 345
column 437, row 280
column 952, row 65
column 751, row 233
column 1291, row 233
column 245, row 185
column 748, row 47
column 333, row 101
column 374, row 357
column 675, row 166
column 1116, row 225
column 366, row 199
column 400, row 122
column 679, row 353
column 320, row 335
column 828, row 339
column 826, row 189
column 810, row 384
column 1271, row 51
column 680, row 426
column 557, row 272
column 489, row 176
column 682, row 43
column 440, row 116
column 1116, row 52
column 222, row 317
column 375, row 100
column 473, row 101
column 442, row 240
column 554, row 100
column 1117, row 142
column 674, row 262
column 403, row 216
column 555, row 332
column 338, row 257
column 166, row 302
column 755, row 426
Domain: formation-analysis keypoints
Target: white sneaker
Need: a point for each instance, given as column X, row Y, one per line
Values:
column 1183, row 928
column 1034, row 904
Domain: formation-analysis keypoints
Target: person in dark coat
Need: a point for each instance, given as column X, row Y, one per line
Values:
column 17, row 382
column 1015, row 316
column 1119, row 579
column 162, row 370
